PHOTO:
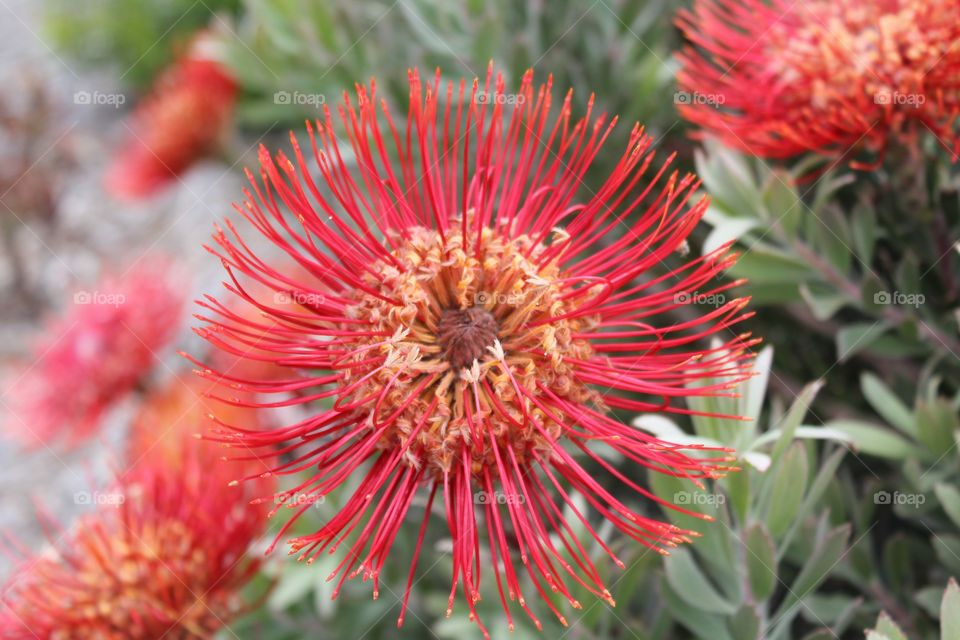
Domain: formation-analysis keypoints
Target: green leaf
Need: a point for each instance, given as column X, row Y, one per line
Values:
column 789, row 484
column 692, row 586
column 863, row 224
column 855, row 338
column 929, row 600
column 937, row 424
column 887, row 628
column 823, row 302
column 828, row 608
column 738, row 490
column 782, row 200
column 885, row 402
column 874, row 440
column 950, row 612
column 715, row 540
column 908, row 277
column 767, row 294
column 898, row 560
column 725, row 229
column 728, row 178
column 821, row 481
column 827, row 553
column 745, row 623
column 703, row 625
column 873, row 294
column 296, row 581
column 788, row 425
column 827, row 186
column 947, row 548
column 761, row 558
column 949, row 497
column 803, row 433
column 763, row 264
column 830, row 238
column 756, row 387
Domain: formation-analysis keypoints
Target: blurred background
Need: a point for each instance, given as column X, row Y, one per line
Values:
column 124, row 132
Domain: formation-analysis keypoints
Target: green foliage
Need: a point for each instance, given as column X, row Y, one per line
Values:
column 817, row 235
column 886, row 628
column 772, row 543
column 137, row 38
column 618, row 49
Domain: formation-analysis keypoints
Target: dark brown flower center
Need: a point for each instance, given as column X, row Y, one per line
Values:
column 465, row 334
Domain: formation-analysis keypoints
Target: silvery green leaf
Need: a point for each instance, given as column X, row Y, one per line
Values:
column 704, row 625
column 692, row 586
column 950, row 612
column 823, row 301
column 887, row 628
column 874, row 440
column 949, row 497
column 789, row 481
column 885, row 402
column 854, row 338
column 826, row 555
column 761, row 561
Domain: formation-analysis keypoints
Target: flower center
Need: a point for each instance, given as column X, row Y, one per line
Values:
column 465, row 334
column 457, row 369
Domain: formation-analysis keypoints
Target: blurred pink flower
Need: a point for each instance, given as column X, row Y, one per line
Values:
column 93, row 354
column 183, row 119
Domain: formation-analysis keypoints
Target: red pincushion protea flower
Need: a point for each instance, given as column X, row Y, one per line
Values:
column 162, row 556
column 475, row 323
column 185, row 117
column 781, row 78
column 95, row 353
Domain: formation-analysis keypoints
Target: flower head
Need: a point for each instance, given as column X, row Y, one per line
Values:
column 184, row 118
column 162, row 556
column 836, row 77
column 95, row 353
column 477, row 315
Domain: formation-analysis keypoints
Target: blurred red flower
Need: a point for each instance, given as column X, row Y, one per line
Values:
column 474, row 324
column 163, row 555
column 185, row 117
column 95, row 353
column 780, row 78
column 187, row 405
